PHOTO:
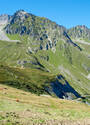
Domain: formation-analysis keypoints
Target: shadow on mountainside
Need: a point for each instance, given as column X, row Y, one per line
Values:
column 38, row 82
column 64, row 90
column 70, row 41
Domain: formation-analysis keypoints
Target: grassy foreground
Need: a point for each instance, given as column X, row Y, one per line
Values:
column 23, row 108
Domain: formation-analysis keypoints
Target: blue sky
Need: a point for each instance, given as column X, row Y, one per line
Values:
column 64, row 12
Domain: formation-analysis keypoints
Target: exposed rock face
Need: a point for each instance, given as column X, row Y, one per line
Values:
column 79, row 31
column 88, row 76
column 4, row 19
column 40, row 29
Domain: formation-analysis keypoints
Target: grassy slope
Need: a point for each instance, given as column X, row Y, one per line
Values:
column 29, row 108
column 31, row 80
column 23, row 108
column 69, row 63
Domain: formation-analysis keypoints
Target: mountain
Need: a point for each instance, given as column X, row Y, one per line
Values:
column 79, row 32
column 40, row 29
column 44, row 71
column 40, row 57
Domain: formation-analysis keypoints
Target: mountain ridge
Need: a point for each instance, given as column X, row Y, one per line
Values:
column 79, row 31
column 38, row 28
column 45, row 47
column 22, row 12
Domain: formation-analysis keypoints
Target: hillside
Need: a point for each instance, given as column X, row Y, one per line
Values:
column 44, row 71
column 36, row 43
column 18, row 107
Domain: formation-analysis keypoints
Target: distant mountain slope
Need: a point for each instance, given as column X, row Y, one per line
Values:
column 4, row 19
column 40, row 29
column 79, row 31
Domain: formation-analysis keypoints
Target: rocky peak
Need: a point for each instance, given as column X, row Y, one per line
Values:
column 21, row 13
column 83, row 27
column 19, row 16
column 80, row 31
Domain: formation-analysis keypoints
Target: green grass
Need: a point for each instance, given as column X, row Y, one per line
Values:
column 67, row 60
column 13, row 37
column 37, row 109
column 32, row 80
column 69, row 64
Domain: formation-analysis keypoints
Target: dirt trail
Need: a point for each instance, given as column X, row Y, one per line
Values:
column 81, row 41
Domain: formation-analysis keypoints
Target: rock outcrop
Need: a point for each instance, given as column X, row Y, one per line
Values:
column 80, row 31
